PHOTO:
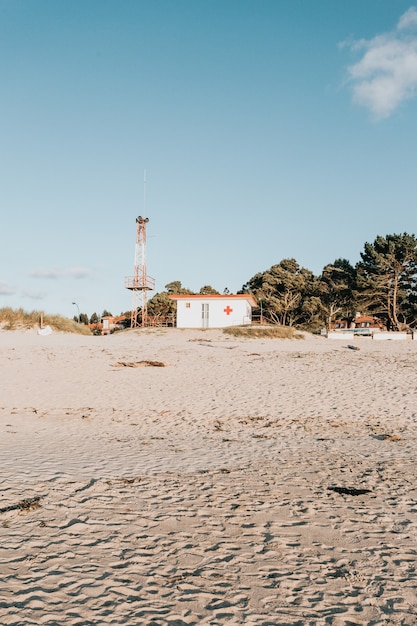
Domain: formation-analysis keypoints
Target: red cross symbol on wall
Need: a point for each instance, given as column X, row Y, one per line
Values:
column 228, row 310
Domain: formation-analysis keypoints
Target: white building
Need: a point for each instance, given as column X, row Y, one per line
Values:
column 213, row 310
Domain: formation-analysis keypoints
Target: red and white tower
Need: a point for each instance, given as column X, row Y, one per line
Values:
column 140, row 282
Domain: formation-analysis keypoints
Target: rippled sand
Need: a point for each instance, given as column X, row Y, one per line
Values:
column 254, row 482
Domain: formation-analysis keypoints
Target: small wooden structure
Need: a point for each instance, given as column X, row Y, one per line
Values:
column 361, row 324
column 108, row 324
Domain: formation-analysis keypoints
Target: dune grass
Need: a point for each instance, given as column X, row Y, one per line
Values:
column 18, row 319
column 269, row 332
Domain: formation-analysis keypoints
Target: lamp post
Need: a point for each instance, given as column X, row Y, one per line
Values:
column 78, row 309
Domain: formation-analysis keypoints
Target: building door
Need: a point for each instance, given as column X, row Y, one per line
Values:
column 204, row 315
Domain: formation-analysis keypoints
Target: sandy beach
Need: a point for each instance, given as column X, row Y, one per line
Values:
column 174, row 477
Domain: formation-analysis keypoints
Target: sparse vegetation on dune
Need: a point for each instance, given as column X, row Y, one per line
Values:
column 269, row 332
column 18, row 319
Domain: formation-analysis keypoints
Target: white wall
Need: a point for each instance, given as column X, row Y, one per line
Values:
column 390, row 336
column 340, row 335
column 191, row 316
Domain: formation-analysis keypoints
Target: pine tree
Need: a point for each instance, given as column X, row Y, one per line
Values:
column 387, row 279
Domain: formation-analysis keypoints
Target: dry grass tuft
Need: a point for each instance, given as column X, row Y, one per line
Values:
column 268, row 332
column 18, row 319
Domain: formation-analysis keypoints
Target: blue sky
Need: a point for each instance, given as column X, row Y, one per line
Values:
column 267, row 128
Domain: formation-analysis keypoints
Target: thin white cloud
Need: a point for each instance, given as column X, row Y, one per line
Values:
column 79, row 272
column 386, row 75
column 408, row 19
column 34, row 295
column 6, row 290
column 50, row 274
column 55, row 273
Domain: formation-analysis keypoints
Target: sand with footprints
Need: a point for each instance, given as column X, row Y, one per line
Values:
column 173, row 477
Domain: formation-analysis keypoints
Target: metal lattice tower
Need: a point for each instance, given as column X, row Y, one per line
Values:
column 140, row 283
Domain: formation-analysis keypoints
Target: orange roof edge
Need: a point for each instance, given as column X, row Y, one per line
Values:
column 214, row 296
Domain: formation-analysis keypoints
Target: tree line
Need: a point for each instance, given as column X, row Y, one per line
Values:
column 93, row 319
column 382, row 284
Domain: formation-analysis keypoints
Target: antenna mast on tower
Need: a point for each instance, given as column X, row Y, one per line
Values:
column 140, row 283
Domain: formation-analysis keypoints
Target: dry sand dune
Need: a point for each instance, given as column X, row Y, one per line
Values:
column 251, row 481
